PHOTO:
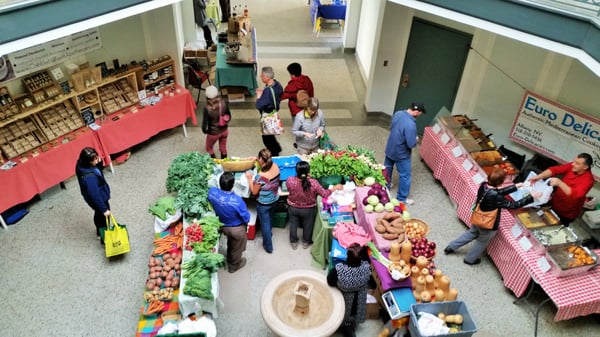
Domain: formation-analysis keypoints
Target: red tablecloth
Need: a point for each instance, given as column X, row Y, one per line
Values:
column 574, row 296
column 134, row 128
column 24, row 181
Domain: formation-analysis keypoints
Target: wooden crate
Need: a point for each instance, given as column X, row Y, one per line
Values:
column 8, row 106
column 59, row 120
column 86, row 78
column 20, row 136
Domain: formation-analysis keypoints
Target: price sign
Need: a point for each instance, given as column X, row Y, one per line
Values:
column 436, row 128
column 88, row 116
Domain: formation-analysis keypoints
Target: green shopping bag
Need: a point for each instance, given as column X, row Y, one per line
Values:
column 116, row 238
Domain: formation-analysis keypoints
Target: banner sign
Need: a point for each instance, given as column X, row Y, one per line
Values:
column 556, row 131
column 45, row 55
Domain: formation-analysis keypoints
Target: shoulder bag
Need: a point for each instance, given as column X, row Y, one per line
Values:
column 223, row 117
column 270, row 121
column 481, row 219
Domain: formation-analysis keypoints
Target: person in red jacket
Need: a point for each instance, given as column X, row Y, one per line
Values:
column 570, row 190
column 298, row 82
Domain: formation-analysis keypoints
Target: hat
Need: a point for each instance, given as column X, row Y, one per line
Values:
column 418, row 106
column 212, row 92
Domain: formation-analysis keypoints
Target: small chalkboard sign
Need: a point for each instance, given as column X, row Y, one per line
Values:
column 88, row 116
column 65, row 87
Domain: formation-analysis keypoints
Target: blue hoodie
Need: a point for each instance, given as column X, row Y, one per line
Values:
column 94, row 188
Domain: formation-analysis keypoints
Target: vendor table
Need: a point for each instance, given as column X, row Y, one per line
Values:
column 236, row 75
column 369, row 220
column 321, row 10
column 133, row 128
column 577, row 295
column 37, row 174
column 322, row 237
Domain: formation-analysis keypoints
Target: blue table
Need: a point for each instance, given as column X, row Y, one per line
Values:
column 238, row 74
column 336, row 10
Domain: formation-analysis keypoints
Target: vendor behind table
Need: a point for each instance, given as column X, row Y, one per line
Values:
column 571, row 189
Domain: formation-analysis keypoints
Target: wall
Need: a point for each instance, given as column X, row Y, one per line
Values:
column 120, row 41
column 367, row 37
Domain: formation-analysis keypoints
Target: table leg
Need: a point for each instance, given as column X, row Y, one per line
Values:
column 3, row 222
column 184, row 130
column 538, row 308
column 537, row 314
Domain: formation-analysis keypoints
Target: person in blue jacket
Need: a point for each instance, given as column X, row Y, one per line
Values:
column 402, row 139
column 93, row 186
column 233, row 213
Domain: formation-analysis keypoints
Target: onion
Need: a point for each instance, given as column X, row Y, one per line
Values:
column 365, row 201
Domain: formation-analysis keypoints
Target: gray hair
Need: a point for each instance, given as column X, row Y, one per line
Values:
column 313, row 104
column 268, row 71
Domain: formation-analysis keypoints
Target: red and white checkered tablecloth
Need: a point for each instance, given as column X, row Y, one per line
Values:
column 434, row 152
column 573, row 296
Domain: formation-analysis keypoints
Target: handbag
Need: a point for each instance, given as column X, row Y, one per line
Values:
column 271, row 124
column 116, row 238
column 223, row 118
column 483, row 219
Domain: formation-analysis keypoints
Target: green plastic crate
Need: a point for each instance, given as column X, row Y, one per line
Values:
column 279, row 219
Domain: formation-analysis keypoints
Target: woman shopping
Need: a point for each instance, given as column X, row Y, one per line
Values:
column 93, row 186
column 352, row 279
column 215, row 118
column 489, row 198
column 302, row 202
column 265, row 186
column 309, row 126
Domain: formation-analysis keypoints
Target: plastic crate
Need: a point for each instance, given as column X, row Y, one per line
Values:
column 287, row 166
column 449, row 308
column 279, row 219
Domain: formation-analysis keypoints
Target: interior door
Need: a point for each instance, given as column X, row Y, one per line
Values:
column 432, row 70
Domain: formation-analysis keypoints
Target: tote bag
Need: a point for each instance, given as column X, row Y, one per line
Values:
column 483, row 219
column 270, row 122
column 116, row 239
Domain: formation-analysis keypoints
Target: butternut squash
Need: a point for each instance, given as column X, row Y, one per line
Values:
column 452, row 294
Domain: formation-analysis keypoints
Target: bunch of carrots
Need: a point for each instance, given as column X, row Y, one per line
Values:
column 173, row 241
column 154, row 306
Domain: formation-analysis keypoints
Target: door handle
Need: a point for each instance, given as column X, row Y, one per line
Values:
column 404, row 82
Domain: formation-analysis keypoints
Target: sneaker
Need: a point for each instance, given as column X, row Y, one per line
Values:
column 409, row 202
column 295, row 145
column 305, row 245
column 478, row 261
column 242, row 264
column 294, row 245
column 448, row 250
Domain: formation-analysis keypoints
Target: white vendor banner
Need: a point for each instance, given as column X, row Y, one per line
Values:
column 556, row 131
column 47, row 54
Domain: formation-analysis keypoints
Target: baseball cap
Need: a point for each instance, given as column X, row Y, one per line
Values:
column 212, row 92
column 418, row 106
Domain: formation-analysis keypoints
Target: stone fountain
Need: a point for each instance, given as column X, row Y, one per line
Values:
column 301, row 303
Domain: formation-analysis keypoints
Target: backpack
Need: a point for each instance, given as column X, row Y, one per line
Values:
column 302, row 97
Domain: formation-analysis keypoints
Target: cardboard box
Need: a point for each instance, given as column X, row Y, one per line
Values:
column 372, row 305
column 235, row 97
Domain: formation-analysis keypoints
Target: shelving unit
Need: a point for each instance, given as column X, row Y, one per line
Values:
column 119, row 94
column 8, row 107
column 41, row 86
column 158, row 74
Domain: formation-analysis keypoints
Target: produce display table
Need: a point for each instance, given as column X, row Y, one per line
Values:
column 385, row 278
column 134, row 128
column 37, row 174
column 369, row 220
column 574, row 296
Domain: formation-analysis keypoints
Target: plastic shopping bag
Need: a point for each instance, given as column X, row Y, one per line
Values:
column 116, row 239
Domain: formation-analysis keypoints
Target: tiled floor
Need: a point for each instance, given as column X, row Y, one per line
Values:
column 56, row 281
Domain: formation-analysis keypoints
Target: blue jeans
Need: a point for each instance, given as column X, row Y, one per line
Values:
column 482, row 237
column 264, row 214
column 404, row 172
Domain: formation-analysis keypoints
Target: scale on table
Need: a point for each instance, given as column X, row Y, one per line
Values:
column 398, row 302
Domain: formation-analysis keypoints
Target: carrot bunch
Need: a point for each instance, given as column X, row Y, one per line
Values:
column 165, row 244
column 154, row 307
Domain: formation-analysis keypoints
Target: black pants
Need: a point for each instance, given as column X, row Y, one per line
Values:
column 208, row 36
column 100, row 219
column 272, row 144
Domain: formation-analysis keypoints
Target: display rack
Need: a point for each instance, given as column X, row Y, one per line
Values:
column 8, row 107
column 158, row 73
column 41, row 86
column 59, row 120
column 20, row 136
column 119, row 94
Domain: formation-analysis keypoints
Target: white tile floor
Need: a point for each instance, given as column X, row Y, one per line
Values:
column 55, row 280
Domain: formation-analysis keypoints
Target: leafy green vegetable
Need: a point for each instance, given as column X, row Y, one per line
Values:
column 188, row 175
column 198, row 271
column 210, row 227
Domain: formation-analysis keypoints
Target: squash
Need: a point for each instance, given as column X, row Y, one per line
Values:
column 394, row 252
column 425, row 296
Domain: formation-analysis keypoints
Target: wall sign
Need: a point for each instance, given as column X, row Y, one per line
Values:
column 57, row 51
column 556, row 131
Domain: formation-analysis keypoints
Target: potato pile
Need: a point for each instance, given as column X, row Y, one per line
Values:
column 164, row 273
column 391, row 226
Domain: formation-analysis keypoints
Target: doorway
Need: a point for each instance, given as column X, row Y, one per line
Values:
column 433, row 67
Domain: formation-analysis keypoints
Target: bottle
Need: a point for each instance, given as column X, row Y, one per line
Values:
column 246, row 11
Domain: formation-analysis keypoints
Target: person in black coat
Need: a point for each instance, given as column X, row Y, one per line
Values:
column 93, row 186
column 202, row 21
column 493, row 198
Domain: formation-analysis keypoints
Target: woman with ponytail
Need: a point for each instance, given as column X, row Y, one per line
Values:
column 302, row 202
